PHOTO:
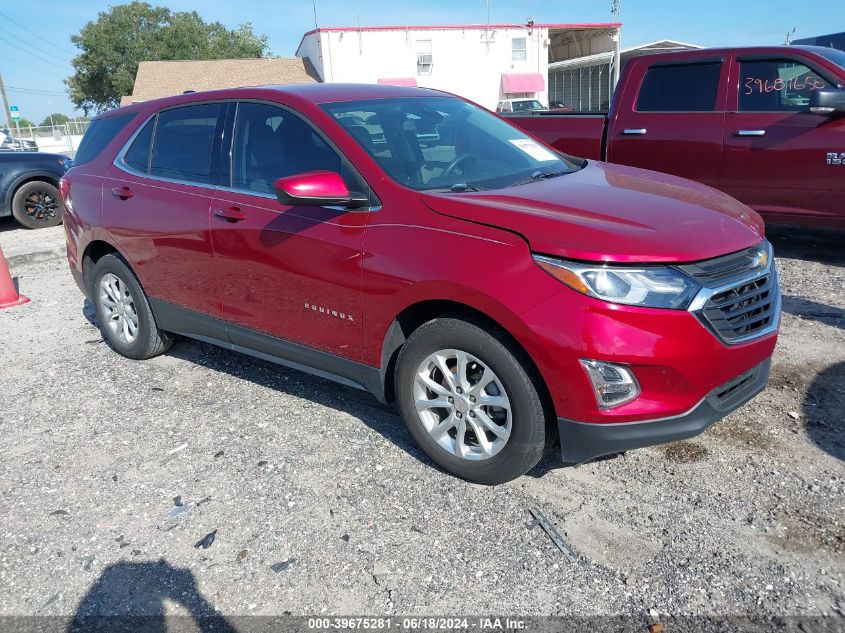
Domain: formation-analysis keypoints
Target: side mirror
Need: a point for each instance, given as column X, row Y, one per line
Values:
column 827, row 101
column 318, row 189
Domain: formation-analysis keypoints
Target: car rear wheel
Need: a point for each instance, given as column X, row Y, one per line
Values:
column 469, row 401
column 37, row 204
column 123, row 311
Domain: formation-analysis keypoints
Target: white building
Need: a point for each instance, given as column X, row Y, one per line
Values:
column 483, row 63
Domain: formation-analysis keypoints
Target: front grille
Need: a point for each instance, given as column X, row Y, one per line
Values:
column 727, row 268
column 737, row 391
column 745, row 310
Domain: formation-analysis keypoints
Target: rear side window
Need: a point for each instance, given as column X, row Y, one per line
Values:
column 138, row 156
column 680, row 88
column 184, row 138
column 99, row 134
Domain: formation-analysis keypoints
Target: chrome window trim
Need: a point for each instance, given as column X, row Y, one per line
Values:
column 120, row 163
column 704, row 295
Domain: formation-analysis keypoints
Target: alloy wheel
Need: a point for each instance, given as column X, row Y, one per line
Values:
column 119, row 312
column 41, row 206
column 462, row 404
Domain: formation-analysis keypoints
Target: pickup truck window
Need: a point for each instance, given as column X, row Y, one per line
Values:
column 777, row 85
column 428, row 143
column 680, row 88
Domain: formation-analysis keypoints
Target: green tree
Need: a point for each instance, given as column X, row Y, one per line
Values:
column 55, row 119
column 127, row 34
column 23, row 123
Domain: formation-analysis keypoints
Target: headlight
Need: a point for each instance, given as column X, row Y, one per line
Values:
column 649, row 286
column 67, row 163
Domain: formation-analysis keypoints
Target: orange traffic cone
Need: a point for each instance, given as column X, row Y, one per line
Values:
column 8, row 293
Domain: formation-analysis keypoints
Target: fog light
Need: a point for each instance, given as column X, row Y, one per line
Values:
column 613, row 384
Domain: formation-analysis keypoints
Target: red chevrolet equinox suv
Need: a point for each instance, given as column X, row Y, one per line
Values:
column 412, row 244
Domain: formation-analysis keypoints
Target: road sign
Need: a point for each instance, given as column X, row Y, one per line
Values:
column 15, row 111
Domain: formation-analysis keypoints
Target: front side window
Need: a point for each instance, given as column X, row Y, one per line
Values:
column 777, row 85
column 271, row 142
column 518, row 49
column 443, row 143
column 680, row 88
column 184, row 139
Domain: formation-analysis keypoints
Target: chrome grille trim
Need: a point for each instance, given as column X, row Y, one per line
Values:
column 745, row 309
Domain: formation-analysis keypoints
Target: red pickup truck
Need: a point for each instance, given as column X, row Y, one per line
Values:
column 765, row 125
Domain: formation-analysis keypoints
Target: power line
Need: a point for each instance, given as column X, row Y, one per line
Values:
column 31, row 91
column 18, row 24
column 28, row 52
column 16, row 36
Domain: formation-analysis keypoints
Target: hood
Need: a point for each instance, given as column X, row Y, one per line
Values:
column 612, row 213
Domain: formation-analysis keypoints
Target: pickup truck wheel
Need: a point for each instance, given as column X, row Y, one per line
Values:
column 469, row 402
column 123, row 311
column 37, row 204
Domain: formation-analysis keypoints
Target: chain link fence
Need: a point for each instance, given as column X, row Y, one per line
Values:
column 61, row 139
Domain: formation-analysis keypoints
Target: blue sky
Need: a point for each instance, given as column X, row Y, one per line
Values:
column 29, row 64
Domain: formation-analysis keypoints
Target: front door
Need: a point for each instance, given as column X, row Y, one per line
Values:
column 292, row 272
column 674, row 122
column 776, row 150
column 156, row 199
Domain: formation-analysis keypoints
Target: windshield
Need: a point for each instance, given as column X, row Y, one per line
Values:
column 522, row 106
column 428, row 143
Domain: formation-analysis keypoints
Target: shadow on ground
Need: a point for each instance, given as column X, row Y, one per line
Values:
column 132, row 597
column 824, row 410
column 814, row 311
column 816, row 245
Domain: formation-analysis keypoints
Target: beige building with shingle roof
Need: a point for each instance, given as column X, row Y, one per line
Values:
column 167, row 78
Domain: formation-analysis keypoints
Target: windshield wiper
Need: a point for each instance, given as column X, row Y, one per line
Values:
column 459, row 187
column 539, row 175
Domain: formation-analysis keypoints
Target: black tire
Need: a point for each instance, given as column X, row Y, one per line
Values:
column 150, row 340
column 37, row 204
column 530, row 433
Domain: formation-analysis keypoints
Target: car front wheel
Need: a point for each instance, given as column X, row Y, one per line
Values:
column 469, row 400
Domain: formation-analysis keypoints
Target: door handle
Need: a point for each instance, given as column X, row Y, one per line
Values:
column 750, row 133
column 635, row 131
column 231, row 214
column 124, row 193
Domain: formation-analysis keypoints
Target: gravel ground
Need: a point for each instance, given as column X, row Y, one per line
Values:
column 217, row 482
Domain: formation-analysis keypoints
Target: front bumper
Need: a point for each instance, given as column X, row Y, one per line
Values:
column 582, row 441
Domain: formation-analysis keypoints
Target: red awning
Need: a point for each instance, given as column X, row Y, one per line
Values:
column 522, row 82
column 398, row 81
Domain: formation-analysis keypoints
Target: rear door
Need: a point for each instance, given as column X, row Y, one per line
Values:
column 156, row 203
column 670, row 118
column 776, row 150
column 292, row 272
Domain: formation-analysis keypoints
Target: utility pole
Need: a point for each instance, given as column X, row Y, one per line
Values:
column 789, row 36
column 615, row 12
column 5, row 103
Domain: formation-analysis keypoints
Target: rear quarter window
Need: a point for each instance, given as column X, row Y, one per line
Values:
column 680, row 88
column 99, row 134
